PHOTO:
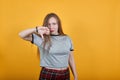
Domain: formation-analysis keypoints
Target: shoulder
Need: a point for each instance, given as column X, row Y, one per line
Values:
column 67, row 37
column 36, row 35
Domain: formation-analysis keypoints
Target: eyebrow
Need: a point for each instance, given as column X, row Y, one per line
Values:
column 53, row 23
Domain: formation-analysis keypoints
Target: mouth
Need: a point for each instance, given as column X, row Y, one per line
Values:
column 51, row 30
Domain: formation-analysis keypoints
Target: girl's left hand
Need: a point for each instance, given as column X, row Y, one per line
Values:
column 75, row 78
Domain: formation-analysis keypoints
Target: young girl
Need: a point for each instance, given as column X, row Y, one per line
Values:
column 55, row 47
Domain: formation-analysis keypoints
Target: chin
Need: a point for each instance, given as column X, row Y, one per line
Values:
column 52, row 32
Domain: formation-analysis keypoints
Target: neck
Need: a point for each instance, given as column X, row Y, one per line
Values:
column 55, row 34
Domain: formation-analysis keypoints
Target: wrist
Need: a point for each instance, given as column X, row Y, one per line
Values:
column 75, row 78
column 36, row 29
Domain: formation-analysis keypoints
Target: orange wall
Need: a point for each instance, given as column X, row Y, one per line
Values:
column 93, row 25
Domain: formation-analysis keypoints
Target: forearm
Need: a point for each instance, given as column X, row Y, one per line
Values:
column 72, row 66
column 27, row 32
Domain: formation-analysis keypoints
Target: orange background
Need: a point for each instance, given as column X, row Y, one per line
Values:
column 93, row 25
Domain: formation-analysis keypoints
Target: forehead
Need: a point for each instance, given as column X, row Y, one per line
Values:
column 52, row 19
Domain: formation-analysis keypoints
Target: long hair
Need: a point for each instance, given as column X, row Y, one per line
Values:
column 45, row 24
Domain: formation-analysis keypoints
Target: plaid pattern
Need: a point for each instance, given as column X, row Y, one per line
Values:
column 51, row 74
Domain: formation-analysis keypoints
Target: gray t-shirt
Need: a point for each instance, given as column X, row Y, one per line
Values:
column 57, row 56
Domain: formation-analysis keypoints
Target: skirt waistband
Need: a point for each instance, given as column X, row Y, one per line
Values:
column 55, row 70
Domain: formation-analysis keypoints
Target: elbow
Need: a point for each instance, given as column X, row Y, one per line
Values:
column 20, row 35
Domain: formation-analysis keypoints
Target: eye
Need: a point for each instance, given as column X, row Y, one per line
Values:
column 54, row 23
column 48, row 24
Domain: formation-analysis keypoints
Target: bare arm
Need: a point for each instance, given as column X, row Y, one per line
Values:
column 72, row 65
column 26, row 34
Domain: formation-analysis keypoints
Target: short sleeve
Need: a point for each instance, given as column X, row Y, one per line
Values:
column 71, row 45
column 71, row 48
column 37, row 40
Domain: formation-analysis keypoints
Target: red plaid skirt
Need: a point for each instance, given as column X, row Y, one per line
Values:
column 51, row 74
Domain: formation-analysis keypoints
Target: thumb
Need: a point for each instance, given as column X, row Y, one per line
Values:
column 42, row 36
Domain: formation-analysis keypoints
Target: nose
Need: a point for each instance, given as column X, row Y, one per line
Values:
column 50, row 26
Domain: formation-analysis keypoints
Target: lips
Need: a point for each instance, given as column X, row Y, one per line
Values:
column 51, row 30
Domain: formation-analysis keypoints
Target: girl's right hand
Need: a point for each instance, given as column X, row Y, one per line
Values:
column 43, row 30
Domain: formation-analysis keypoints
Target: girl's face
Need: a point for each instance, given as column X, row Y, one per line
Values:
column 53, row 25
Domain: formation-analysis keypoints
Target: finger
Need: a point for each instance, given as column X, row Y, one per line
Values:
column 47, row 33
column 41, row 28
column 42, row 36
column 47, row 29
column 44, row 28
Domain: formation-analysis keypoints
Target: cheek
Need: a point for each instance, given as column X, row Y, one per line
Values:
column 48, row 26
column 56, row 27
